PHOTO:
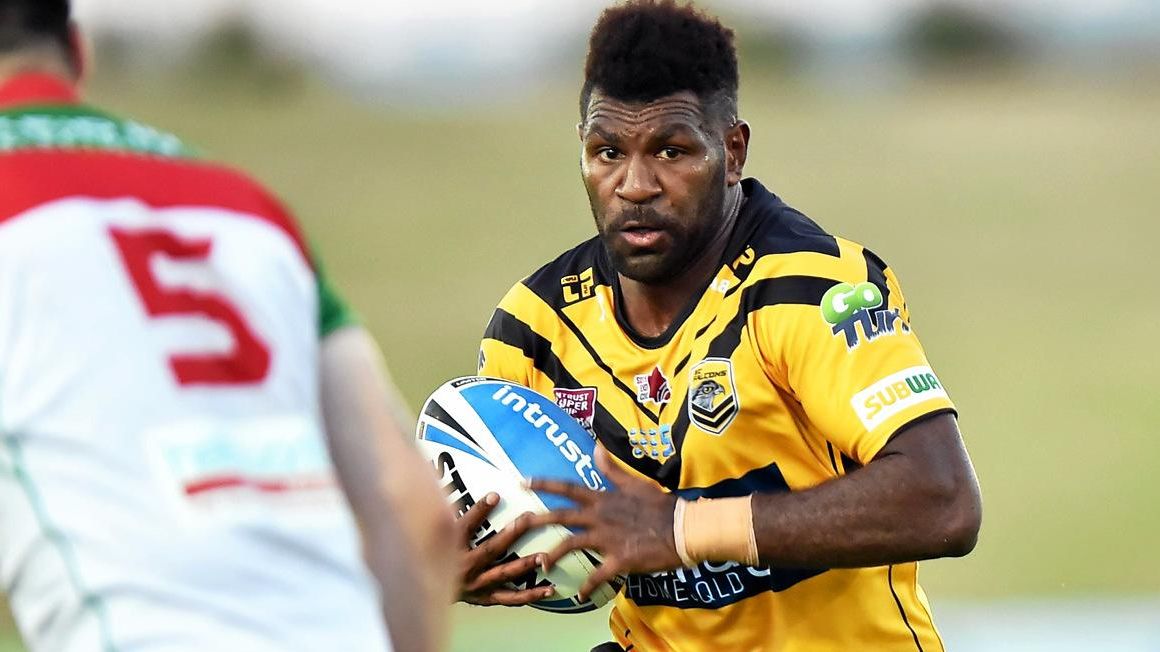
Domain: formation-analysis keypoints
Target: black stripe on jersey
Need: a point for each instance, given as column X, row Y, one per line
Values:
column 604, row 365
column 770, row 226
column 768, row 479
column 876, row 274
column 901, row 610
column 701, row 331
column 505, row 327
column 782, row 290
column 833, row 461
column 545, row 284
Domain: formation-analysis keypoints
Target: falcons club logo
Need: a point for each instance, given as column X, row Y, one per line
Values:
column 652, row 387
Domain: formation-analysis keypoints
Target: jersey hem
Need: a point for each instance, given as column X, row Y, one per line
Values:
column 905, row 421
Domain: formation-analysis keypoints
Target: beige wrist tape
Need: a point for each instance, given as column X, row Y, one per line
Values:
column 720, row 529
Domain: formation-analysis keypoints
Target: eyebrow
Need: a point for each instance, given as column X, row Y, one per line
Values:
column 664, row 134
column 604, row 133
column 673, row 130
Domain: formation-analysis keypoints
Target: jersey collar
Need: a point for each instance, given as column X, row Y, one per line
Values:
column 36, row 89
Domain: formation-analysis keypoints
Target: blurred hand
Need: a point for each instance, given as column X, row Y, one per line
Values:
column 630, row 526
column 483, row 579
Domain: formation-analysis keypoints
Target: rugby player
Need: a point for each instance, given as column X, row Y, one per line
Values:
column 182, row 399
column 782, row 449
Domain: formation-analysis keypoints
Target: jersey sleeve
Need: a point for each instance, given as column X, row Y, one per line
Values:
column 506, row 350
column 854, row 363
column 333, row 311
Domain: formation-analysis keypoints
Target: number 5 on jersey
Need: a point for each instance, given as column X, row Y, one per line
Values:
column 249, row 360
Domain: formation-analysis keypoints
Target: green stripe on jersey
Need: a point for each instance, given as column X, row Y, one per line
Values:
column 83, row 128
column 333, row 311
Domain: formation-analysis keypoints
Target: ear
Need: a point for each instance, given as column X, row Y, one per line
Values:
column 736, row 152
column 580, row 130
column 77, row 52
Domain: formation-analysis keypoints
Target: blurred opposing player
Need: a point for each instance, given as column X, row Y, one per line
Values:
column 782, row 451
column 173, row 370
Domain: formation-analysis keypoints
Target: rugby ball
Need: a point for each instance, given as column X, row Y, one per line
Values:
column 484, row 435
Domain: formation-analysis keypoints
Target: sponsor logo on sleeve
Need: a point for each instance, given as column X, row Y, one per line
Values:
column 713, row 400
column 896, row 393
column 577, row 286
column 856, row 312
column 580, row 404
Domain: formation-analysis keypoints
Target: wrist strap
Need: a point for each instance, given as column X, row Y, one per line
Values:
column 720, row 529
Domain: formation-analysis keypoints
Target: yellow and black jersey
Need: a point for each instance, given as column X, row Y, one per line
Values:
column 794, row 366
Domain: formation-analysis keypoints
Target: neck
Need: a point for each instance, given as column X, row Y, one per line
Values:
column 651, row 308
column 36, row 60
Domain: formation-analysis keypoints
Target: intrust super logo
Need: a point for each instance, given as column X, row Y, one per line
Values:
column 580, row 404
column 895, row 393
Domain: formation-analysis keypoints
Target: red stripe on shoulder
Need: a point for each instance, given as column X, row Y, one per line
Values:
column 31, row 178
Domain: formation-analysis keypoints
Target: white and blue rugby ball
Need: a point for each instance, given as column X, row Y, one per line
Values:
column 484, row 435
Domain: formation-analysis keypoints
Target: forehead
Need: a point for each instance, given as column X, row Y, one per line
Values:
column 673, row 111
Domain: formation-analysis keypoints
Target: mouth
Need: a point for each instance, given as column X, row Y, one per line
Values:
column 641, row 237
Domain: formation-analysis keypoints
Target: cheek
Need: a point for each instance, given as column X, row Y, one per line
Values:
column 692, row 184
column 599, row 182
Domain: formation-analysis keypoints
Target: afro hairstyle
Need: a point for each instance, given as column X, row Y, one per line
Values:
column 643, row 50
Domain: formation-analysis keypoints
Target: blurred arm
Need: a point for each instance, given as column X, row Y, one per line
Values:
column 408, row 534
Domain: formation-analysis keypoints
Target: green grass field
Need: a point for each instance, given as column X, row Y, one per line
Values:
column 1020, row 215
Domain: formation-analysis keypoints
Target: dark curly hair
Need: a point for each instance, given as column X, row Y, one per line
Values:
column 24, row 22
column 647, row 49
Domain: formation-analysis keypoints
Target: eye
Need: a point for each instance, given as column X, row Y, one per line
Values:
column 670, row 153
column 608, row 154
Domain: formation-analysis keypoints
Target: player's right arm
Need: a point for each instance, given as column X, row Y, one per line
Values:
column 406, row 531
column 405, row 527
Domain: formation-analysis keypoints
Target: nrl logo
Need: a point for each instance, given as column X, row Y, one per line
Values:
column 713, row 400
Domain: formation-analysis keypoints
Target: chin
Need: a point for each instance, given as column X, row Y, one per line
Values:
column 650, row 270
column 648, row 267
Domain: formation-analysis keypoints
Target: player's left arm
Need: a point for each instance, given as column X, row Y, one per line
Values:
column 917, row 499
column 861, row 376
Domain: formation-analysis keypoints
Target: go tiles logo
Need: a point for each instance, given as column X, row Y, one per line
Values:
column 846, row 306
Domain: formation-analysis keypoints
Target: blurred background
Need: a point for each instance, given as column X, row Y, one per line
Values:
column 1002, row 155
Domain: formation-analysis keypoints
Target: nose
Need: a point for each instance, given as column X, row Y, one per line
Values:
column 639, row 184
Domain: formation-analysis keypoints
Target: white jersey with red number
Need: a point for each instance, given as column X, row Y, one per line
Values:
column 164, row 480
